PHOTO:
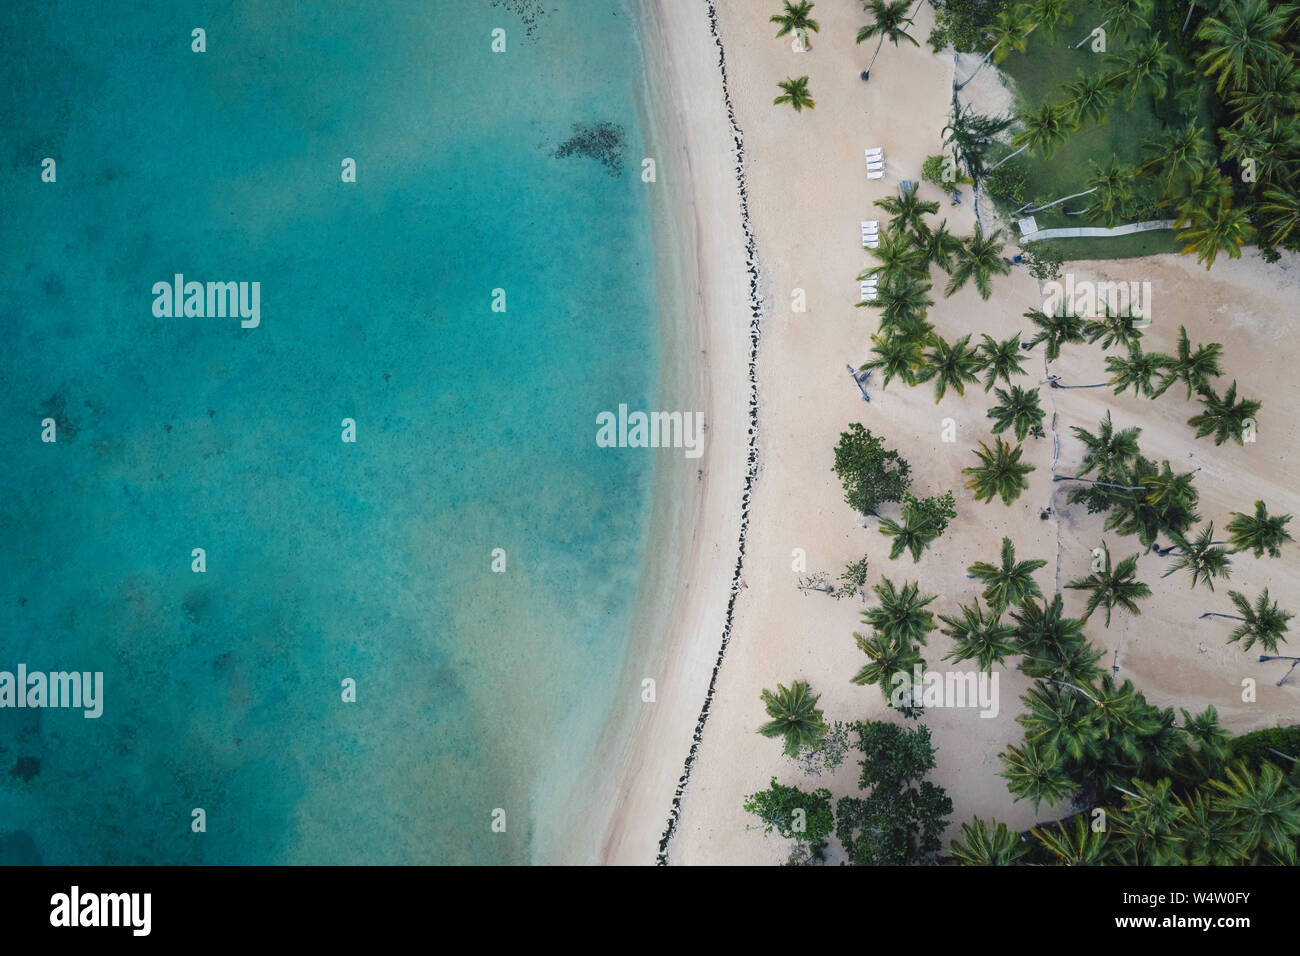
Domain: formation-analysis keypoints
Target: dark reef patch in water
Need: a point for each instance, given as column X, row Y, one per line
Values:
column 599, row 141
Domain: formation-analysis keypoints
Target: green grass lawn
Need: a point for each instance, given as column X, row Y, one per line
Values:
column 1117, row 247
column 1038, row 76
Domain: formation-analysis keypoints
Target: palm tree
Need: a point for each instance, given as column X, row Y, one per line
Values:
column 899, row 257
column 940, row 245
column 795, row 19
column 1075, row 845
column 1049, row 14
column 795, row 93
column 1061, row 721
column 1239, row 40
column 1109, row 451
column 1035, row 774
column 1280, row 211
column 1090, row 97
column 1207, row 834
column 1213, row 743
column 906, row 210
column 1010, row 583
column 1194, row 368
column 1011, row 29
column 979, row 259
column 920, row 527
column 999, row 472
column 887, row 659
column 985, row 640
column 1147, row 830
column 1110, row 588
column 981, row 846
column 1017, row 409
column 970, row 135
column 1149, row 64
column 1263, row 623
column 897, row 356
column 901, row 617
column 1113, row 186
column 1000, row 360
column 1224, row 417
column 1272, row 94
column 1113, row 329
column 1044, row 130
column 1055, row 330
column 795, row 716
column 1121, row 16
column 1180, row 150
column 903, row 304
column 1259, row 532
column 1203, row 557
column 1136, row 512
column 1140, row 370
column 1054, row 645
column 951, row 366
column 1209, row 224
column 890, row 22
column 1264, row 809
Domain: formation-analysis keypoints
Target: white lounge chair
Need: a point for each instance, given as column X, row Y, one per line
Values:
column 872, row 243
column 874, row 166
column 871, row 225
column 875, row 174
column 874, row 152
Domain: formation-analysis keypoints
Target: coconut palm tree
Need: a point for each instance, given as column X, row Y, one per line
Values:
column 1112, row 187
column 1090, row 96
column 1112, row 587
column 1075, row 844
column 1009, row 583
column 1055, row 330
column 1194, row 367
column 903, row 304
column 1208, row 224
column 1011, row 29
column 795, row 716
column 1050, row 14
column 950, row 366
column 1262, row 623
column 1265, row 812
column 1239, row 40
column 1203, row 557
column 1272, row 94
column 887, row 659
column 795, row 19
column 970, row 136
column 1207, row 835
column 1017, row 409
column 1180, row 149
column 1109, row 451
column 1035, row 774
column 1134, row 512
column 906, row 211
column 985, row 640
column 1113, row 328
column 1259, row 532
column 1279, row 209
column 1000, row 360
column 897, row 356
column 1147, row 65
column 981, row 845
column 979, row 259
column 939, row 246
column 1054, row 645
column 1213, row 743
column 795, row 92
column 1061, row 721
column 1147, row 828
column 1224, row 417
column 899, row 257
column 1122, row 16
column 889, row 22
column 1140, row 369
column 998, row 473
column 1044, row 130
column 901, row 616
column 923, row 522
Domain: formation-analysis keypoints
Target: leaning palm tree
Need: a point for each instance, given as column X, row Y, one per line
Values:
column 795, row 716
column 1265, row 811
column 985, row 640
column 1108, row 451
column 1113, row 328
column 1239, row 40
column 887, row 659
column 980, row 259
column 1122, row 16
column 999, row 472
column 1049, row 14
column 1194, row 368
column 1204, row 557
column 1259, row 532
column 1146, row 65
column 906, row 211
column 1262, row 623
column 889, row 22
column 1112, row 187
column 901, row 616
column 982, row 845
column 1000, row 360
column 1077, row 844
column 898, row 356
column 1090, row 97
column 1036, row 774
column 1017, row 409
column 795, row 92
column 1010, row 583
column 1044, row 129
column 795, row 19
column 1055, row 330
column 1224, row 417
column 1142, row 370
column 1112, row 587
column 951, row 366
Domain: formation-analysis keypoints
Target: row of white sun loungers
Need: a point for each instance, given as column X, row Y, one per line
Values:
column 871, row 234
column 875, row 163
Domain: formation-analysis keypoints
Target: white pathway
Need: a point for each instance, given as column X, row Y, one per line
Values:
column 1081, row 231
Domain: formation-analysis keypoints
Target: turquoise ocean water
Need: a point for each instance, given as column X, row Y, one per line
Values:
column 325, row 560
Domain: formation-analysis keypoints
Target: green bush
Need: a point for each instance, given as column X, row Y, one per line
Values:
column 1007, row 182
column 1253, row 747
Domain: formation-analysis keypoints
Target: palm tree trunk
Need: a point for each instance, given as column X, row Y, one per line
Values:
column 1231, row 617
column 1005, row 158
column 1091, row 32
column 982, row 62
column 1104, row 484
column 1062, row 199
column 1188, row 19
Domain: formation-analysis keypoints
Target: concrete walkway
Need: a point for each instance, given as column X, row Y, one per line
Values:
column 1084, row 231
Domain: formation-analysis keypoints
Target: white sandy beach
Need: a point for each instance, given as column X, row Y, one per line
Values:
column 808, row 191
